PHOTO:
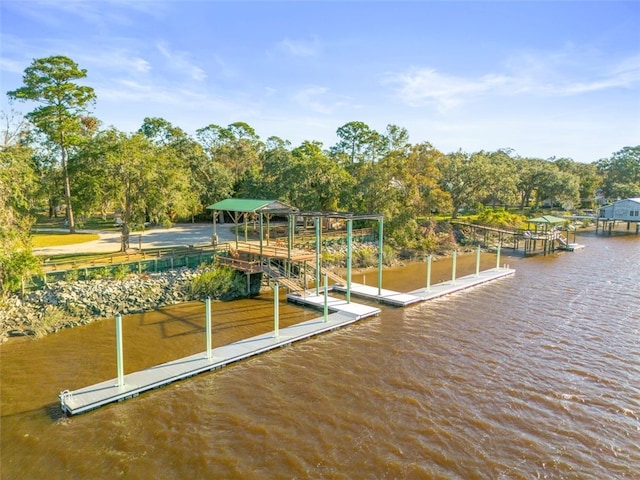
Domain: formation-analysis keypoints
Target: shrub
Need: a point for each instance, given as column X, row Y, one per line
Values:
column 121, row 272
column 221, row 283
column 500, row 218
column 71, row 275
column 365, row 257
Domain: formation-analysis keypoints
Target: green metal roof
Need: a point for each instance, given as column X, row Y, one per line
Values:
column 546, row 219
column 247, row 205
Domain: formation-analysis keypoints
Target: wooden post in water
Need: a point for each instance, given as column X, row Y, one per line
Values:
column 119, row 364
column 326, row 299
column 498, row 257
column 276, row 312
column 478, row 261
column 428, row 273
column 453, row 267
column 207, row 315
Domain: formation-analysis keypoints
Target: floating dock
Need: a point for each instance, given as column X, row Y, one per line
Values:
column 382, row 295
column 95, row 396
column 345, row 313
column 468, row 281
column 339, row 305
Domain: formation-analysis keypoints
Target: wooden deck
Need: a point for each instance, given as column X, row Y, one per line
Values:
column 279, row 252
column 95, row 396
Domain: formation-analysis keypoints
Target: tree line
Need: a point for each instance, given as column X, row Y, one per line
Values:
column 59, row 155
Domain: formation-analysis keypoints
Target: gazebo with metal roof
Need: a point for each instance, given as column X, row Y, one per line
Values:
column 542, row 231
column 239, row 209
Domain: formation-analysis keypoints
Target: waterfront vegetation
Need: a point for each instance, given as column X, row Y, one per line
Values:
column 82, row 174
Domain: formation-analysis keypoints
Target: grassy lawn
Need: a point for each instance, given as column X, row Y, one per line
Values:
column 56, row 239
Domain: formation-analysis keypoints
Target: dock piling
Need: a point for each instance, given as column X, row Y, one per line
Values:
column 326, row 299
column 478, row 261
column 349, row 252
column 276, row 312
column 453, row 267
column 498, row 257
column 119, row 364
column 428, row 273
column 207, row 315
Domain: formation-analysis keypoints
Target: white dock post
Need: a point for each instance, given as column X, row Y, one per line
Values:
column 120, row 366
column 326, row 299
column 498, row 257
column 207, row 309
column 429, row 273
column 276, row 312
column 478, row 261
column 453, row 267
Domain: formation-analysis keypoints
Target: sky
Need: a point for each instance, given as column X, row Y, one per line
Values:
column 544, row 79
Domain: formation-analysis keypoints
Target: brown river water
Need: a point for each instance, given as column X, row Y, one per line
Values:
column 536, row 375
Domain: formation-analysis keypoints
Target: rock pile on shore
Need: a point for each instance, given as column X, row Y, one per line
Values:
column 67, row 304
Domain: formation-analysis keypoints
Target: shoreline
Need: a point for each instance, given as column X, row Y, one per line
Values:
column 63, row 305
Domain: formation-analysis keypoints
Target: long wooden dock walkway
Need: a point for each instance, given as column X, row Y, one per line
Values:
column 103, row 393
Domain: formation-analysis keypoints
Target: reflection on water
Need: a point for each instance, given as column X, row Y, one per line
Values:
column 535, row 375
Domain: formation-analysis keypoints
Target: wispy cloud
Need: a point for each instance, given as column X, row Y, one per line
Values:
column 98, row 14
column 547, row 76
column 301, row 48
column 11, row 66
column 420, row 87
column 179, row 62
column 310, row 98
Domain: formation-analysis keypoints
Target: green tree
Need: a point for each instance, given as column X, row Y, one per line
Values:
column 463, row 178
column 50, row 82
column 531, row 175
column 17, row 261
column 315, row 181
column 559, row 187
column 236, row 146
column 358, row 143
column 621, row 173
column 211, row 181
column 500, row 178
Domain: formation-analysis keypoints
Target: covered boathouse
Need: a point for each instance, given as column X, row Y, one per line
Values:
column 622, row 211
column 545, row 235
column 283, row 261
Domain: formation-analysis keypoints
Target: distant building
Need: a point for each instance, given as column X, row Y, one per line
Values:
column 627, row 210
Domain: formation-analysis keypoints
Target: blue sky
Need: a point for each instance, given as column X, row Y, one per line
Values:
column 542, row 78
